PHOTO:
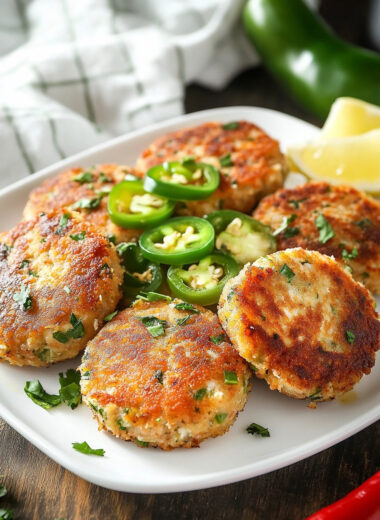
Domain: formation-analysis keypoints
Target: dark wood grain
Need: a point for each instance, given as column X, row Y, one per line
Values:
column 39, row 489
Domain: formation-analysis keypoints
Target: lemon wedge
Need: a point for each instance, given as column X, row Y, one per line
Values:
column 349, row 117
column 348, row 160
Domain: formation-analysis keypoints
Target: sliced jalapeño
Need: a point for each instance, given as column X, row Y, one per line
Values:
column 178, row 241
column 241, row 236
column 186, row 180
column 202, row 282
column 130, row 206
column 140, row 274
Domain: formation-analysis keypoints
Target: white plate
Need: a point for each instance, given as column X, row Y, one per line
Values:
column 296, row 431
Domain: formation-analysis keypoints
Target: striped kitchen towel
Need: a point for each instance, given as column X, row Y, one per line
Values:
column 74, row 73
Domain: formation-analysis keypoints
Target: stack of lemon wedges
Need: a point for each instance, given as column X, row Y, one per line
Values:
column 347, row 150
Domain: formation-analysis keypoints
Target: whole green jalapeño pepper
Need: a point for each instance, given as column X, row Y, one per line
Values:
column 140, row 274
column 130, row 206
column 178, row 241
column 307, row 58
column 202, row 282
column 241, row 236
column 186, row 180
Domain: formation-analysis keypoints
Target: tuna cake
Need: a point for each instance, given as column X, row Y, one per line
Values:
column 250, row 162
column 59, row 278
column 85, row 191
column 305, row 325
column 338, row 221
column 164, row 374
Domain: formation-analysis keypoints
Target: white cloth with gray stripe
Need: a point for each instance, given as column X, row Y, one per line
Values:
column 74, row 73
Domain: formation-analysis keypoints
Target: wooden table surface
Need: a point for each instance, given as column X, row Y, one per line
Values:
column 40, row 489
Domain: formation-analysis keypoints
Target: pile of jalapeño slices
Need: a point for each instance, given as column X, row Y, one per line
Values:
column 202, row 253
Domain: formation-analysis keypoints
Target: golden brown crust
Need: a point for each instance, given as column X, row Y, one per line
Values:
column 258, row 164
column 62, row 276
column 317, row 331
column 62, row 192
column 354, row 217
column 124, row 357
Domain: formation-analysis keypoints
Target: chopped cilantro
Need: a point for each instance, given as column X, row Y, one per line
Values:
column 363, row 223
column 199, row 394
column 84, row 177
column 230, row 378
column 234, row 125
column 350, row 336
column 78, row 236
column 220, row 417
column 23, row 298
column 292, row 232
column 218, row 339
column 142, row 444
column 112, row 238
column 37, row 394
column 121, row 425
column 316, row 395
column 76, row 332
column 284, row 225
column 159, row 376
column 6, row 514
column 110, row 317
column 296, row 203
column 256, row 429
column 60, row 336
column 154, row 326
column 325, row 230
column 70, row 394
column 83, row 447
column 104, row 192
column 153, row 297
column 96, row 409
column 63, row 221
column 70, row 390
column 106, row 268
column 3, row 491
column 349, row 256
column 226, row 160
column 182, row 321
column 43, row 240
column 186, row 307
column 43, row 354
column 286, row 271
column 24, row 263
column 103, row 178
column 89, row 203
column 230, row 295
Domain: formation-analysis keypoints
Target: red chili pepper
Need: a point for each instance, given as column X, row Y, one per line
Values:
column 363, row 503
